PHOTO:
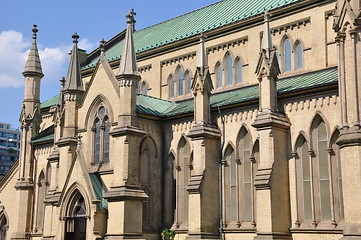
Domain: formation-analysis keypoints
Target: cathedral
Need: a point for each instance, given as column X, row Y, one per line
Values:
column 236, row 121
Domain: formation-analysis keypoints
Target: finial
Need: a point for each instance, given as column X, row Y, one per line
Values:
column 75, row 37
column 62, row 82
column 35, row 30
column 130, row 16
column 102, row 45
column 267, row 16
column 202, row 37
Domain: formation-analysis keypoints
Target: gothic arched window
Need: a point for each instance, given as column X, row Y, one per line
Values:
column 299, row 56
column 3, row 227
column 182, row 178
column 287, row 55
column 219, row 72
column 40, row 202
column 171, row 86
column 188, row 80
column 101, row 130
column 239, row 70
column 229, row 67
column 180, row 81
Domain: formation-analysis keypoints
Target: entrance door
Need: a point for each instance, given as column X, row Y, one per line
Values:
column 76, row 224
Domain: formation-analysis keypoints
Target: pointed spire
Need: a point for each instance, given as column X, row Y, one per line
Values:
column 73, row 80
column 267, row 40
column 128, row 62
column 202, row 57
column 33, row 65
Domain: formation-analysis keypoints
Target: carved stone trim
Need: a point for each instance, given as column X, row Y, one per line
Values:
column 228, row 44
column 289, row 26
column 145, row 68
column 179, row 58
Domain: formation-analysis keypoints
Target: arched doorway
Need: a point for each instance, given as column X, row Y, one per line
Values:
column 75, row 226
column 3, row 227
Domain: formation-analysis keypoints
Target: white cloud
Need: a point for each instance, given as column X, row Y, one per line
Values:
column 14, row 50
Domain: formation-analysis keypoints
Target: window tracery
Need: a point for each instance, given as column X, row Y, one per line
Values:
column 101, row 130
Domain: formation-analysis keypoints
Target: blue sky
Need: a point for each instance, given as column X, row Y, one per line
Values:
column 57, row 21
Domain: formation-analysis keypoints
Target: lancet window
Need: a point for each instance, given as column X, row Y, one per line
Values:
column 183, row 169
column 149, row 181
column 287, row 55
column 171, row 86
column 299, row 56
column 319, row 179
column 219, row 72
column 3, row 227
column 229, row 69
column 101, row 130
column 40, row 202
column 239, row 70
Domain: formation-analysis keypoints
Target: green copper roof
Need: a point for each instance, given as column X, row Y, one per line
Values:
column 99, row 190
column 287, row 85
column 162, row 108
column 44, row 139
column 190, row 24
column 50, row 102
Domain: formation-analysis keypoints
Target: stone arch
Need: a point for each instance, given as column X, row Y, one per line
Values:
column 66, row 199
column 150, row 139
column 333, row 136
column 317, row 119
column 297, row 142
column 242, row 131
column 4, row 224
column 91, row 113
column 218, row 70
column 229, row 145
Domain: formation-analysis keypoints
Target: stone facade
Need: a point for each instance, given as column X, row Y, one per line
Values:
column 250, row 130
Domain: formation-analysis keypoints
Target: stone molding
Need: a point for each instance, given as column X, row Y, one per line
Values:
column 178, row 59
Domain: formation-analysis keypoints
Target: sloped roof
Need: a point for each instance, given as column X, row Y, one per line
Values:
column 162, row 108
column 287, row 85
column 191, row 24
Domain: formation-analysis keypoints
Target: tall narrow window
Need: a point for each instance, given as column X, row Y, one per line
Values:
column 229, row 68
column 171, row 87
column 97, row 141
column 40, row 204
column 106, row 140
column 336, row 171
column 189, row 82
column 101, row 136
column 299, row 56
column 182, row 183
column 219, row 72
column 3, row 227
column 287, row 55
column 170, row 193
column 247, row 176
column 304, row 179
column 239, row 71
column 180, row 82
column 230, row 186
column 323, row 168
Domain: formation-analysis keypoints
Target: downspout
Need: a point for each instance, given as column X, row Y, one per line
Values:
column 220, row 176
